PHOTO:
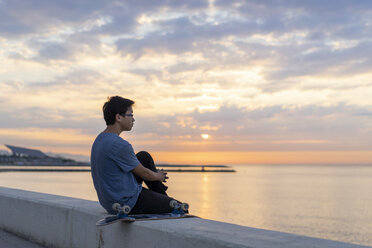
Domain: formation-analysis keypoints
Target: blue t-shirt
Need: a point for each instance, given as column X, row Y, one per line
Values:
column 112, row 161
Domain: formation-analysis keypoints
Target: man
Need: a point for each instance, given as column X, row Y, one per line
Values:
column 118, row 173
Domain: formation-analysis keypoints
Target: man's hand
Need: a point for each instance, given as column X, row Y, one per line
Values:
column 149, row 175
column 162, row 175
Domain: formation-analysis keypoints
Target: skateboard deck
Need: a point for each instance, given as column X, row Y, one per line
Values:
column 142, row 217
column 179, row 212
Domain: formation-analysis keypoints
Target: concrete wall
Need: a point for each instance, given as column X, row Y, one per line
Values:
column 56, row 221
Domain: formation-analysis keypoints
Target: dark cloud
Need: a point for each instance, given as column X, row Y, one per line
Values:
column 11, row 26
column 324, row 60
column 183, row 67
column 44, row 117
column 317, row 6
column 288, row 16
column 20, row 17
column 181, row 35
column 54, row 51
column 75, row 78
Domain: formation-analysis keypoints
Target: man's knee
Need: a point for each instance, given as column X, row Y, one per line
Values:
column 143, row 154
column 145, row 158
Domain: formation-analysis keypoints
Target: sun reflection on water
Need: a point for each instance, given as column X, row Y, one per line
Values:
column 206, row 195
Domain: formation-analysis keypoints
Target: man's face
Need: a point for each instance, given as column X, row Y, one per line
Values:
column 127, row 120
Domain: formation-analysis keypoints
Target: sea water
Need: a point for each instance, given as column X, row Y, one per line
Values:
column 325, row 201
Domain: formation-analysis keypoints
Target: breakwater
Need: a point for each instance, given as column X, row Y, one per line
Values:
column 61, row 168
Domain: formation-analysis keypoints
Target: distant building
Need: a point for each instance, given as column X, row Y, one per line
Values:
column 27, row 156
column 26, row 152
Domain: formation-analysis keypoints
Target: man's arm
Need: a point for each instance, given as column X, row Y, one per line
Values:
column 149, row 175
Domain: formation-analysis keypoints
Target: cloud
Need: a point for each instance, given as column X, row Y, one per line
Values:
column 55, row 104
column 274, row 128
column 325, row 60
column 21, row 17
column 54, row 51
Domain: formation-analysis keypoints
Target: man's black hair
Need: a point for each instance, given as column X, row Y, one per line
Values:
column 115, row 105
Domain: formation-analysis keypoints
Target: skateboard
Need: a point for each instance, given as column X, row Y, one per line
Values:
column 179, row 211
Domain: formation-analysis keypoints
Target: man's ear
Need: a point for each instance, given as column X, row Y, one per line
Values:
column 118, row 117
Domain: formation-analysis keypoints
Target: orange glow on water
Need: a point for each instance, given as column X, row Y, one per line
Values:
column 275, row 157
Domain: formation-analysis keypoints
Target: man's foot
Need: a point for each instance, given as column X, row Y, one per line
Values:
column 163, row 189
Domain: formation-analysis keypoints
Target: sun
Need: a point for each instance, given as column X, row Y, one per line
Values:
column 204, row 136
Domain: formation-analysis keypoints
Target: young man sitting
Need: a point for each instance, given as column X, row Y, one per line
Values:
column 118, row 172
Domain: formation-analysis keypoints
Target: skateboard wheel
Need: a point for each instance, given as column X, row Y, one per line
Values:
column 185, row 206
column 116, row 206
column 125, row 209
column 174, row 204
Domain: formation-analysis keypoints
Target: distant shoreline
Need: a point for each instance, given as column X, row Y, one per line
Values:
column 189, row 165
column 80, row 164
column 88, row 164
column 86, row 168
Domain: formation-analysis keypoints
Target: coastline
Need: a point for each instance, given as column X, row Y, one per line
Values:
column 86, row 168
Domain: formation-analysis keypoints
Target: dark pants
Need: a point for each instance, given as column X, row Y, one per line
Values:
column 154, row 199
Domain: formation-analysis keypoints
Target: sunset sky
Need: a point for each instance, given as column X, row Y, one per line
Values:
column 215, row 82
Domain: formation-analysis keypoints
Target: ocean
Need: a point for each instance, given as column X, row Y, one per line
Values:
column 324, row 201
